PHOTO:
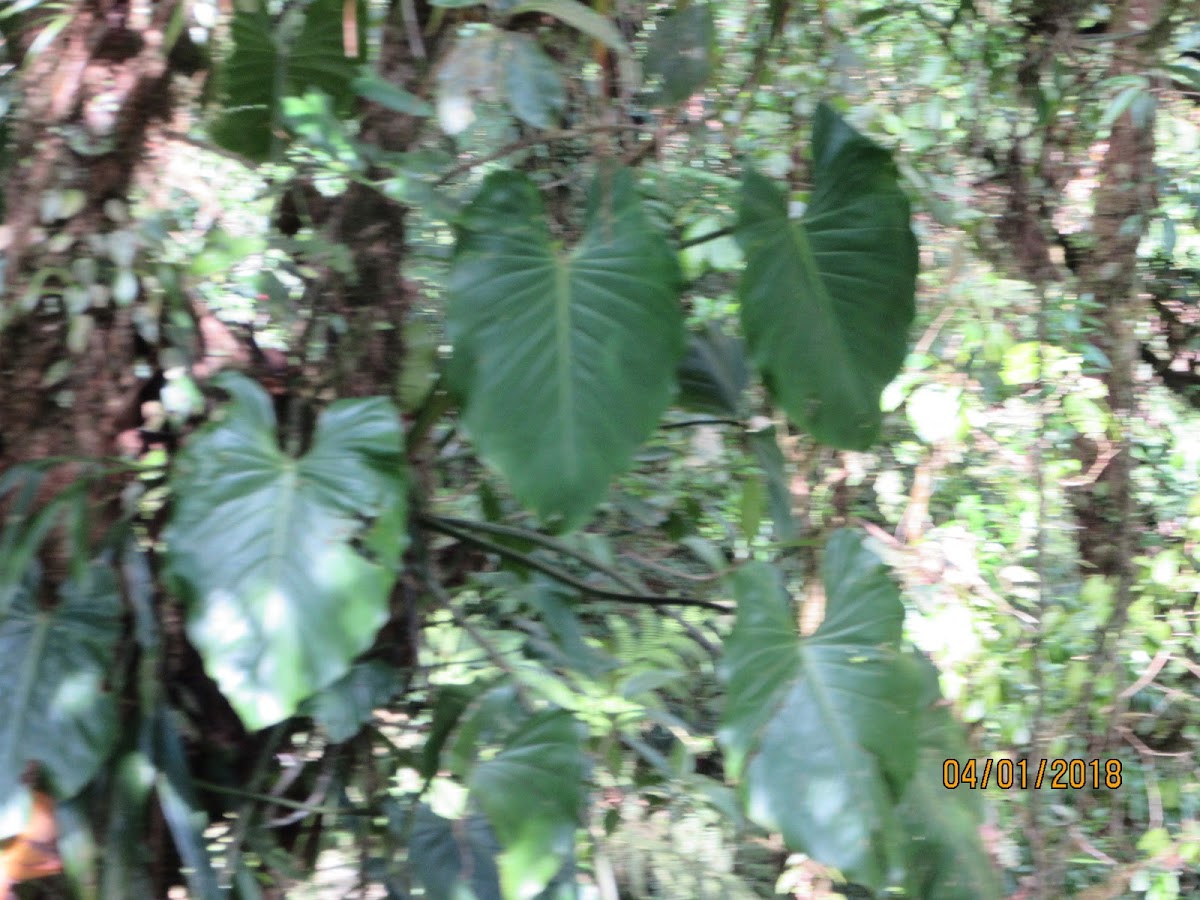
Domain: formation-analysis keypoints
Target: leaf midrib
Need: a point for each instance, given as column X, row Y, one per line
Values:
column 566, row 386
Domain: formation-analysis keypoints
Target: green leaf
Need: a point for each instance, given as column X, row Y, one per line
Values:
column 270, row 62
column 713, row 374
column 125, row 872
column 448, row 856
column 222, row 251
column 55, row 709
column 181, row 810
column 347, row 704
column 390, row 96
column 565, row 358
column 754, row 502
column 532, row 792
column 286, row 564
column 820, row 730
column 566, row 629
column 765, row 447
column 535, row 89
column 680, row 52
column 827, row 300
column 1121, row 103
column 451, row 701
column 419, row 368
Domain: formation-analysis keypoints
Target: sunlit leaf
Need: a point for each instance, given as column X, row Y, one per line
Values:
column 532, row 792
column 56, row 709
column 286, row 563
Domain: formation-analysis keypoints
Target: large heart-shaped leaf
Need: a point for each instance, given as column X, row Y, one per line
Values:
column 827, row 300
column 821, row 729
column 565, row 358
column 286, row 564
column 532, row 792
column 270, row 62
column 54, row 709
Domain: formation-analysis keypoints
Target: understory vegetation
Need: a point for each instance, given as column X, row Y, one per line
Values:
column 616, row 450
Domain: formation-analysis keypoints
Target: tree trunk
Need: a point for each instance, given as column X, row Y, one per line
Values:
column 86, row 104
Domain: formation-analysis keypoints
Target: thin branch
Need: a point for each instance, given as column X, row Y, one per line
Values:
column 673, row 573
column 425, row 572
column 546, row 541
column 1160, row 659
column 705, row 238
column 689, row 423
column 433, row 523
column 281, row 801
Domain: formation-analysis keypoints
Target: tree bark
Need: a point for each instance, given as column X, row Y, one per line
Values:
column 86, row 104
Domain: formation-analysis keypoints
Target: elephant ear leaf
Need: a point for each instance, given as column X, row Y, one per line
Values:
column 286, row 563
column 565, row 359
column 827, row 300
column 54, row 664
column 819, row 730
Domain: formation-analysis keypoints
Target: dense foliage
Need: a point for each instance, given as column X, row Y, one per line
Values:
column 455, row 449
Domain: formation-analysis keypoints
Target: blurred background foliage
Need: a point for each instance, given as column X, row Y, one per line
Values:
column 292, row 189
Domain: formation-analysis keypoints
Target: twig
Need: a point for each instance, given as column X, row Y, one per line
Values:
column 281, row 801
column 673, row 573
column 705, row 238
column 496, row 657
column 550, row 543
column 433, row 523
column 1160, row 659
column 690, row 423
